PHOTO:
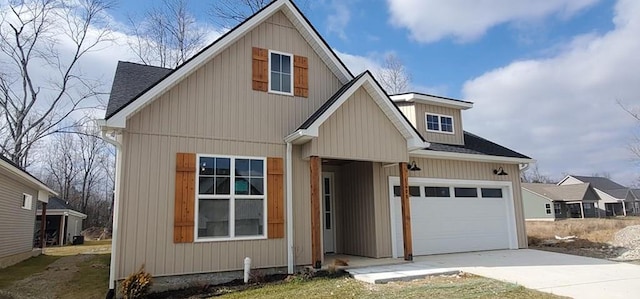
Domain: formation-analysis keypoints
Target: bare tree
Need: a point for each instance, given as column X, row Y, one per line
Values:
column 40, row 86
column 394, row 76
column 61, row 165
column 167, row 36
column 229, row 13
column 533, row 175
column 634, row 145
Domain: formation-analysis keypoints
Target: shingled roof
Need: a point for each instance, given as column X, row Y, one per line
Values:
column 131, row 80
column 554, row 192
column 476, row 145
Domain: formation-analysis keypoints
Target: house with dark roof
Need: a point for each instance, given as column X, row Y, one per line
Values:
column 616, row 199
column 63, row 222
column 20, row 192
column 553, row 202
column 264, row 145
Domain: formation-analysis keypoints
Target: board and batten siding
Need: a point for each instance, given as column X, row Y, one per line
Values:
column 358, row 130
column 16, row 224
column 213, row 111
column 442, row 169
column 420, row 123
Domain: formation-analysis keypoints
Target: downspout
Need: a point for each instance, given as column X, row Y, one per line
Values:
column 114, row 230
column 290, row 262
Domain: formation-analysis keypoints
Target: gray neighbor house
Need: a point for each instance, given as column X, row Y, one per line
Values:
column 579, row 197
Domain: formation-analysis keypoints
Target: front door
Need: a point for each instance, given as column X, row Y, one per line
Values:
column 328, row 204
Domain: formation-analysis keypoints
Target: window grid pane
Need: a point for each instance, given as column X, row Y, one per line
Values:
column 466, row 192
column 446, row 124
column 437, row 192
column 432, row 122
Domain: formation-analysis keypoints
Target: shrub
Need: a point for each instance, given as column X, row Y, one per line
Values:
column 137, row 284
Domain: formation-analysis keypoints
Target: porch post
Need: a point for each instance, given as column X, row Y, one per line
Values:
column 43, row 225
column 406, row 212
column 316, row 254
column 624, row 209
column 581, row 210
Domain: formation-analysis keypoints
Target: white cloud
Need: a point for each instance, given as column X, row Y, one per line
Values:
column 338, row 20
column 432, row 20
column 562, row 110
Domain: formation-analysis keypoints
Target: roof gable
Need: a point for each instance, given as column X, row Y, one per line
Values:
column 309, row 129
column 118, row 117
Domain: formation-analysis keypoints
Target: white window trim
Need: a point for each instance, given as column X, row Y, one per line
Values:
column 27, row 201
column 231, row 196
column 426, row 125
column 291, row 69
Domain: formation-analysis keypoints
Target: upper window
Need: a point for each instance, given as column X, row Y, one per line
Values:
column 280, row 72
column 439, row 123
column 26, row 201
column 231, row 201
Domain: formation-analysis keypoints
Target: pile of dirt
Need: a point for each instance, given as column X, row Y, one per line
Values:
column 96, row 233
column 629, row 239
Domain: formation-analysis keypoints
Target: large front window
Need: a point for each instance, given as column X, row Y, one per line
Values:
column 231, row 201
column 280, row 73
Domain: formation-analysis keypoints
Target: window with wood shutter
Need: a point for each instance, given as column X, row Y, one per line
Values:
column 271, row 72
column 183, row 223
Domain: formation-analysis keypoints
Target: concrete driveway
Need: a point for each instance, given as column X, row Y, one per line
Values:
column 560, row 274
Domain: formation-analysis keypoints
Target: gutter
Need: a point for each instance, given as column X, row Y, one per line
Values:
column 116, row 194
column 290, row 262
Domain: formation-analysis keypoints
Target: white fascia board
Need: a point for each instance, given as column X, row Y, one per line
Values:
column 426, row 99
column 468, row 157
column 119, row 119
column 28, row 178
column 300, row 136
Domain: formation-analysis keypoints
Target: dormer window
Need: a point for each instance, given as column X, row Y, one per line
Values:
column 280, row 72
column 439, row 123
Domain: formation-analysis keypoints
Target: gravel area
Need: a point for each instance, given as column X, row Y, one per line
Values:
column 629, row 239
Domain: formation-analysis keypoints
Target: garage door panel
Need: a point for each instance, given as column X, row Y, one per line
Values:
column 446, row 225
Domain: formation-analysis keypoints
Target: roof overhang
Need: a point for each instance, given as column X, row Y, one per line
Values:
column 30, row 180
column 414, row 140
column 119, row 119
column 63, row 212
column 433, row 100
column 422, row 153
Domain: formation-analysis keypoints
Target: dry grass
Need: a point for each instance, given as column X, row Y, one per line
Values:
column 89, row 247
column 593, row 230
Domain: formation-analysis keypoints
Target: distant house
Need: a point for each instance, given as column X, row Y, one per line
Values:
column 617, row 200
column 63, row 221
column 551, row 202
column 19, row 192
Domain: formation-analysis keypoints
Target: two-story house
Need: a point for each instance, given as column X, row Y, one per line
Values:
column 264, row 145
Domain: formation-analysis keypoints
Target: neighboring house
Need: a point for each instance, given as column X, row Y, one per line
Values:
column 63, row 222
column 551, row 202
column 264, row 145
column 19, row 194
column 616, row 200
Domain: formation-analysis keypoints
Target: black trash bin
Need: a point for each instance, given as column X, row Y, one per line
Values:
column 78, row 240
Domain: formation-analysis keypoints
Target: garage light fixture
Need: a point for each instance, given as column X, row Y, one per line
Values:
column 413, row 167
column 500, row 171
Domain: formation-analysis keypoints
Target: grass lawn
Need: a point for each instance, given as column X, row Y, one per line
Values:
column 466, row 286
column 596, row 230
column 25, row 269
column 90, row 281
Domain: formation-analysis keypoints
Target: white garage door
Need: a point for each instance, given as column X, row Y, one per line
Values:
column 455, row 216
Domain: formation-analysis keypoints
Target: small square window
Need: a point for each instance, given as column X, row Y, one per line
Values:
column 280, row 73
column 439, row 123
column 466, row 192
column 491, row 192
column 547, row 208
column 437, row 192
column 26, row 201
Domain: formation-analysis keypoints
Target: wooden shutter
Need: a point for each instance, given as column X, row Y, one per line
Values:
column 260, row 66
column 300, row 76
column 275, row 198
column 183, row 222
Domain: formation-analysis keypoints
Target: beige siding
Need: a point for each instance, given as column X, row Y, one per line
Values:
column 354, row 132
column 211, row 112
column 409, row 111
column 16, row 223
column 456, row 138
column 355, row 217
column 443, row 169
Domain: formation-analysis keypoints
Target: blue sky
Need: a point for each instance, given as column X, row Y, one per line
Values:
column 544, row 75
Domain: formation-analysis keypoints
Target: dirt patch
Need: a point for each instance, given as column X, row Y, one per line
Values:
column 44, row 285
column 586, row 237
column 238, row 285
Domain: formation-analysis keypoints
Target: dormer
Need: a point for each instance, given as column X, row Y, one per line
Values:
column 438, row 119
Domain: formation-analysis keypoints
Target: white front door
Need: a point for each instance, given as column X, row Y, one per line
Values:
column 328, row 203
